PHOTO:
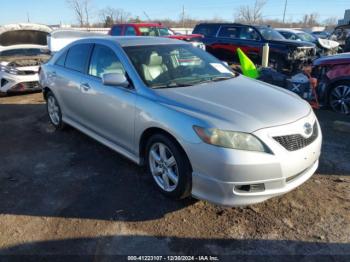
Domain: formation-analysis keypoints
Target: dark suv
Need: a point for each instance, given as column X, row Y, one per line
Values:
column 222, row 40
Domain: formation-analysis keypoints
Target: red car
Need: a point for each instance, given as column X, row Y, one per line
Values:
column 154, row 29
column 333, row 74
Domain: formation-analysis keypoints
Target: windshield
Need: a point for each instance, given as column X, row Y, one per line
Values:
column 270, row 34
column 306, row 37
column 155, row 31
column 165, row 66
column 25, row 52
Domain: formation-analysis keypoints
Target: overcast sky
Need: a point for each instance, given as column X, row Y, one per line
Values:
column 56, row 11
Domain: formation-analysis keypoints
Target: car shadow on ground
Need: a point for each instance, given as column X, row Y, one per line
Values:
column 67, row 174
column 105, row 248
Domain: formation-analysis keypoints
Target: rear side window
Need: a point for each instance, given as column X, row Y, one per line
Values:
column 104, row 61
column 206, row 30
column 116, row 30
column 77, row 57
column 130, row 30
column 229, row 31
column 60, row 61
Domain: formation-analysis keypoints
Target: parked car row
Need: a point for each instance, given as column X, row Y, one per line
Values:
column 24, row 47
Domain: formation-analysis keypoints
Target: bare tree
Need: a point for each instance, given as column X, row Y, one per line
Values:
column 116, row 15
column 251, row 14
column 81, row 8
column 310, row 19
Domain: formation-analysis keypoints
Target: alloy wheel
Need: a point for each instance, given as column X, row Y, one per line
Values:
column 163, row 166
column 53, row 110
column 340, row 99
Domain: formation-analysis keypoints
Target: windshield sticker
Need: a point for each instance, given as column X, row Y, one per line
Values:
column 221, row 68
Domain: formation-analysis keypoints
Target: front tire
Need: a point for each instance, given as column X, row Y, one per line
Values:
column 339, row 98
column 169, row 167
column 54, row 111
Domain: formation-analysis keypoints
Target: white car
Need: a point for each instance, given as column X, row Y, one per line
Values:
column 23, row 48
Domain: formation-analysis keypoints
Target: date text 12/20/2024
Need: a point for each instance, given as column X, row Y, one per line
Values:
column 173, row 258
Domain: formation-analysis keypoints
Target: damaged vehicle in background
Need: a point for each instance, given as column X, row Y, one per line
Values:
column 23, row 48
column 333, row 74
column 154, row 29
column 341, row 34
column 324, row 47
column 223, row 39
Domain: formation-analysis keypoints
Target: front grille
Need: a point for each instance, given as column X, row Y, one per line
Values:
column 25, row 86
column 297, row 141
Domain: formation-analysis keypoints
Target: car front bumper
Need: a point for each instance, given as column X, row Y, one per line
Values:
column 236, row 178
column 10, row 83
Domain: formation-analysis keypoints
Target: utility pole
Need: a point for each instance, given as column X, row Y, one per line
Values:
column 183, row 16
column 285, row 9
column 28, row 19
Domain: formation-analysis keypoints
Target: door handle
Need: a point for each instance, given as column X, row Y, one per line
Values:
column 85, row 86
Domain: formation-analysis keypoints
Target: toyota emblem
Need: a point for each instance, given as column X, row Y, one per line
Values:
column 308, row 129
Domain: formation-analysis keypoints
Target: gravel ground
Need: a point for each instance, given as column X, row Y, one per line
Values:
column 62, row 193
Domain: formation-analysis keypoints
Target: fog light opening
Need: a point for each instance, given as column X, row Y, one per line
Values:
column 250, row 188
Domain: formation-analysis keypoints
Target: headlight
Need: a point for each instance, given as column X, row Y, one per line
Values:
column 230, row 139
column 199, row 45
column 10, row 70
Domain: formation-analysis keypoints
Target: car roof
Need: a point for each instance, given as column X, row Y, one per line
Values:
column 141, row 24
column 135, row 40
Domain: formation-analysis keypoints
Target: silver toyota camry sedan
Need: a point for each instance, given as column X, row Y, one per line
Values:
column 200, row 128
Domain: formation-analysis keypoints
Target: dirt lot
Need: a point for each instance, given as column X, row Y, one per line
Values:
column 63, row 193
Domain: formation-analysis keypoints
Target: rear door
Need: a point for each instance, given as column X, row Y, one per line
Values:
column 108, row 110
column 69, row 70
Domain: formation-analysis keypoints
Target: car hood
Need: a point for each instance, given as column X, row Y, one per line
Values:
column 292, row 43
column 338, row 59
column 24, row 33
column 239, row 104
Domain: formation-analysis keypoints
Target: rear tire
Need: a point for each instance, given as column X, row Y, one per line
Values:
column 54, row 111
column 169, row 167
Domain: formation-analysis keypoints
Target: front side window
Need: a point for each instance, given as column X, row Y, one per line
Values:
column 104, row 61
column 306, row 37
column 229, row 31
column 155, row 31
column 248, row 33
column 163, row 31
column 77, row 57
column 166, row 66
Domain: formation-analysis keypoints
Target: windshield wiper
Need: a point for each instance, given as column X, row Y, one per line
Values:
column 171, row 85
column 212, row 79
column 220, row 78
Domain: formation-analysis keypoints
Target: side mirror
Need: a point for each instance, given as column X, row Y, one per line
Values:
column 115, row 79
